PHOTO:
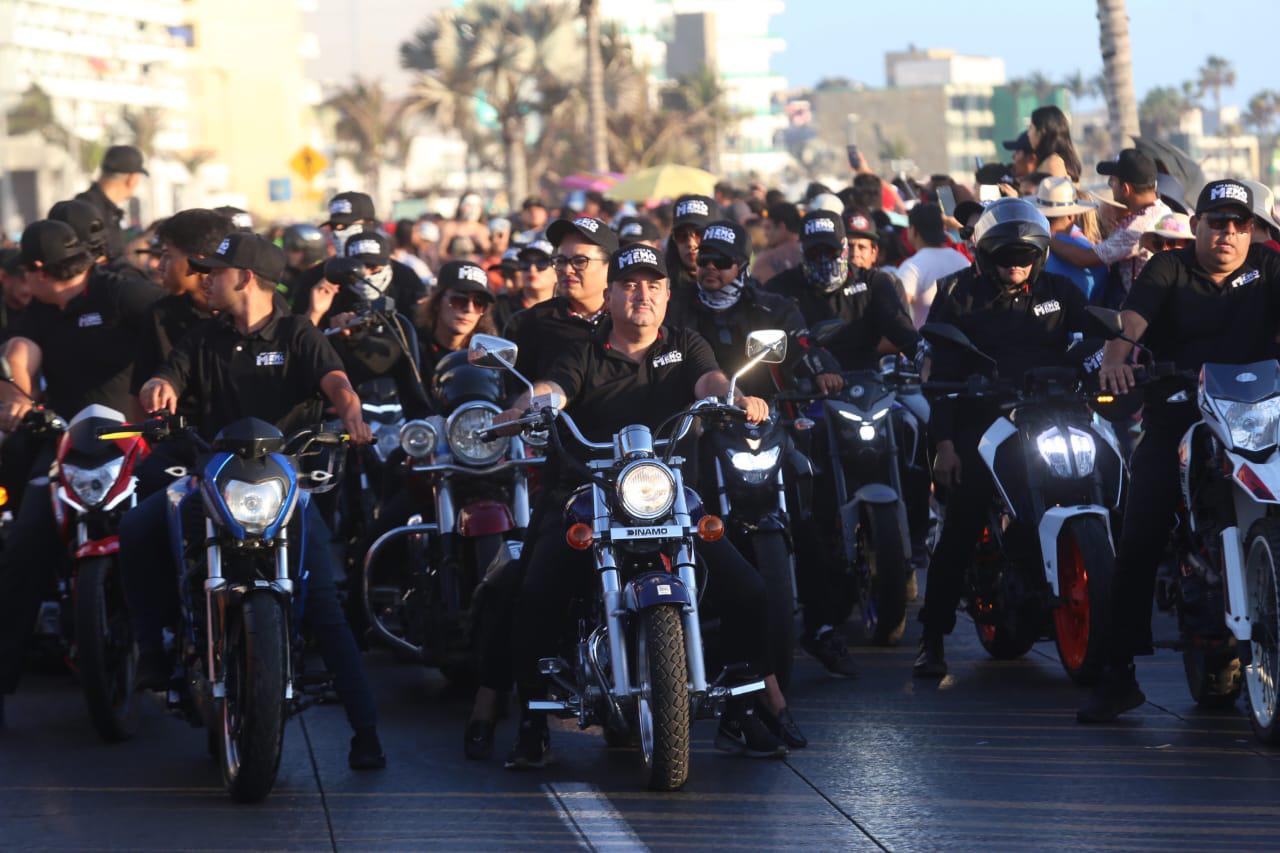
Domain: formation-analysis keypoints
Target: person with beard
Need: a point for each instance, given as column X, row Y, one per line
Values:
column 351, row 213
column 535, row 277
column 689, row 215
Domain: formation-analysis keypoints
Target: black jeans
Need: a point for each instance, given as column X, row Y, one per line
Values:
column 151, row 588
column 555, row 574
column 1154, row 492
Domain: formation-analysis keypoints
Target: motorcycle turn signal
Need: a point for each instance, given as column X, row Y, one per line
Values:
column 710, row 528
column 579, row 536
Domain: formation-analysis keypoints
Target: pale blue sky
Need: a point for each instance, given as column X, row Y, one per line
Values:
column 1170, row 38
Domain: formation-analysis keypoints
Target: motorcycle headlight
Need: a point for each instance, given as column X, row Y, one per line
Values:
column 90, row 485
column 755, row 467
column 1252, row 425
column 254, row 505
column 1054, row 447
column 386, row 438
column 646, row 490
column 463, row 426
column 417, row 439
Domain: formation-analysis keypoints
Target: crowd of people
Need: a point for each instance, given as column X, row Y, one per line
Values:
column 207, row 313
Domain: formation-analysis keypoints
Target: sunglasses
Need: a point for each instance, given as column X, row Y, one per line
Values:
column 1016, row 256
column 540, row 265
column 578, row 262
column 1160, row 244
column 1219, row 221
column 461, row 301
column 720, row 262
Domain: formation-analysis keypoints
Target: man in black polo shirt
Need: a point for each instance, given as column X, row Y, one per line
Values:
column 256, row 360
column 637, row 371
column 82, row 336
column 581, row 263
column 1219, row 301
column 122, row 172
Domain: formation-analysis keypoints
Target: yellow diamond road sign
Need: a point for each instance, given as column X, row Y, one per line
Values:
column 308, row 162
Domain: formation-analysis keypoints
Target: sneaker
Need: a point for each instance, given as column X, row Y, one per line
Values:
column 477, row 741
column 154, row 669
column 829, row 649
column 533, row 746
column 366, row 751
column 930, row 661
column 746, row 734
column 1116, row 692
column 785, row 728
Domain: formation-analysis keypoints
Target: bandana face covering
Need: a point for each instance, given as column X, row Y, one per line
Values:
column 339, row 238
column 724, row 298
column 827, row 274
column 380, row 281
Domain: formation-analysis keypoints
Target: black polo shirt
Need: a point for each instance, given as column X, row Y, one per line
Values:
column 273, row 373
column 1020, row 329
column 405, row 288
column 169, row 321
column 14, row 322
column 607, row 391
column 88, row 349
column 112, row 217
column 870, row 305
column 546, row 331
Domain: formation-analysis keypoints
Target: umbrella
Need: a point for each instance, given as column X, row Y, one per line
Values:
column 590, row 181
column 660, row 183
column 1176, row 161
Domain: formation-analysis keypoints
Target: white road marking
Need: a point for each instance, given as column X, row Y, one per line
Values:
column 588, row 814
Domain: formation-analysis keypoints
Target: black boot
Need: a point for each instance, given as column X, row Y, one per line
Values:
column 533, row 744
column 930, row 661
column 829, row 648
column 366, row 751
column 784, row 727
column 1115, row 693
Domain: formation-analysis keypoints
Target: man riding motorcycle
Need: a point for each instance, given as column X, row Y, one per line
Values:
column 1218, row 301
column 1023, row 318
column 262, row 362
column 637, row 371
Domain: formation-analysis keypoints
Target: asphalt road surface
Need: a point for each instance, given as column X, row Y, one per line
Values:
column 990, row 759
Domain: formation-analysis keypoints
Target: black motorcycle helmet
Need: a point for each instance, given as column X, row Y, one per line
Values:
column 1011, row 232
column 306, row 239
column 457, row 381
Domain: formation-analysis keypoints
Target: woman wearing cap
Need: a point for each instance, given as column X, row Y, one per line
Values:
column 460, row 307
column 1057, row 199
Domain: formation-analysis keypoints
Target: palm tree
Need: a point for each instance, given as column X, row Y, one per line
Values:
column 144, row 126
column 372, row 127
column 1117, row 65
column 1262, row 117
column 703, row 101
column 1161, row 111
column 33, row 113
column 489, row 64
column 590, row 11
column 1215, row 75
column 1041, row 85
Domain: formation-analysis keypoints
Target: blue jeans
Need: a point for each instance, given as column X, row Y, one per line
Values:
column 151, row 587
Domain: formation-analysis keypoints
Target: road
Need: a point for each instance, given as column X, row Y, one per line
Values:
column 989, row 759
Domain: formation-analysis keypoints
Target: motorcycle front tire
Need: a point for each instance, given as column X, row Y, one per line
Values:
column 253, row 714
column 663, row 711
column 1085, row 566
column 888, row 562
column 105, row 651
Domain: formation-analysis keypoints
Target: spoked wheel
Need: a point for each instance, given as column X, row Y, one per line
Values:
column 105, row 650
column 1085, row 564
column 662, row 706
column 1262, row 675
column 886, row 617
column 253, row 711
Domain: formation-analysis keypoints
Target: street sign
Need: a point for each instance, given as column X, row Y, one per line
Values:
column 308, row 162
column 280, row 189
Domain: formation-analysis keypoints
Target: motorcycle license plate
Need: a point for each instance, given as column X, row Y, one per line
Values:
column 665, row 531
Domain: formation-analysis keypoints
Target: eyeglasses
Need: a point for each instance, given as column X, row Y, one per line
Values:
column 1219, row 221
column 578, row 262
column 461, row 301
column 720, row 262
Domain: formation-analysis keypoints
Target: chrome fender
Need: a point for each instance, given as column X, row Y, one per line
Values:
column 1055, row 518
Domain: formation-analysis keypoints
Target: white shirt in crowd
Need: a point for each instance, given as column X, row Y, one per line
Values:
column 920, row 272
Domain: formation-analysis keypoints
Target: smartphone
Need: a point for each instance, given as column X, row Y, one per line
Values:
column 855, row 162
column 988, row 192
column 947, row 199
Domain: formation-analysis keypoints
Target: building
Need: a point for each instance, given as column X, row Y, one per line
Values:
column 96, row 62
column 1216, row 141
column 1012, row 106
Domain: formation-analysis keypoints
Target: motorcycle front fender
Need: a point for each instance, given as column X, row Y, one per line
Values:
column 485, row 518
column 99, row 548
column 875, row 493
column 1051, row 524
column 653, row 589
column 1237, row 598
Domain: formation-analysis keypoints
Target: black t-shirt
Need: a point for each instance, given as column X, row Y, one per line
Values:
column 1020, row 329
column 405, row 289
column 545, row 331
column 869, row 303
column 88, row 349
column 273, row 373
column 170, row 319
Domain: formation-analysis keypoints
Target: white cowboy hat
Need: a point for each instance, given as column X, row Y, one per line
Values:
column 1057, row 197
column 1173, row 226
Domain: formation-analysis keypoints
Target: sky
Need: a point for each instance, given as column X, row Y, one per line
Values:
column 850, row 39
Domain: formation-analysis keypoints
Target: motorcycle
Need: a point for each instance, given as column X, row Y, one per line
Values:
column 91, row 485
column 638, row 661
column 240, row 654
column 431, row 606
column 1044, row 564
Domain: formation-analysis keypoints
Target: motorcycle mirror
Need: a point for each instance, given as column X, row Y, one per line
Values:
column 770, row 345
column 946, row 334
column 825, row 331
column 888, row 364
column 345, row 271
column 1105, row 322
column 492, row 352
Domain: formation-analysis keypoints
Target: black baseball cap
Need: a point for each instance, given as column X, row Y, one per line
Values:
column 1132, row 167
column 347, row 208
column 822, row 228
column 1226, row 193
column 244, row 250
column 730, row 239
column 696, row 210
column 538, row 243
column 49, row 241
column 637, row 256
column 635, row 229
column 1022, row 143
column 123, row 160
column 369, row 247
column 927, row 219
column 592, row 230
column 966, row 209
column 240, row 219
column 464, row 277
column 858, row 223
column 85, row 220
